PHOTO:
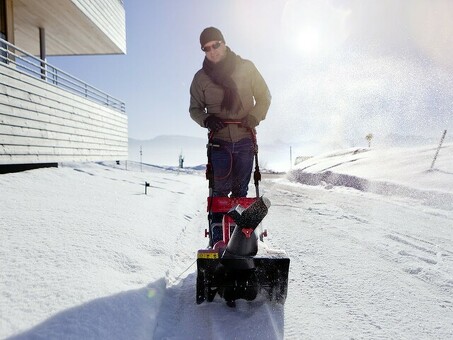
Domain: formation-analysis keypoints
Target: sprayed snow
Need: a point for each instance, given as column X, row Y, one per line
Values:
column 85, row 254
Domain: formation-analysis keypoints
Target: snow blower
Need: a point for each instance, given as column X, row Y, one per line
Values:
column 237, row 263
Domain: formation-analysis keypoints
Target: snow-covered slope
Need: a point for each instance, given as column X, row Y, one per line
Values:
column 85, row 254
column 397, row 171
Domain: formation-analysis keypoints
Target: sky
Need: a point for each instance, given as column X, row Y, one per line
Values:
column 368, row 261
column 337, row 69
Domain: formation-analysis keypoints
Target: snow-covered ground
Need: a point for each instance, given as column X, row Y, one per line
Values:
column 85, row 254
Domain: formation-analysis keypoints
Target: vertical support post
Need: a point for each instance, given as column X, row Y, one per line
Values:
column 9, row 22
column 42, row 52
column 3, row 46
column 3, row 19
column 6, row 30
column 438, row 149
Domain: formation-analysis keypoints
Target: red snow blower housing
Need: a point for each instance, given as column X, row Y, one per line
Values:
column 237, row 264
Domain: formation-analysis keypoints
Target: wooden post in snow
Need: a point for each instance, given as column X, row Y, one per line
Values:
column 438, row 149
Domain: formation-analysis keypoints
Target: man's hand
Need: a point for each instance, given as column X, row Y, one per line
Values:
column 214, row 123
column 249, row 122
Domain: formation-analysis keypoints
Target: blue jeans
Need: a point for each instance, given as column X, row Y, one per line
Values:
column 232, row 165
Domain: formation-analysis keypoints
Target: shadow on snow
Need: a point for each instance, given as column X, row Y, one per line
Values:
column 156, row 312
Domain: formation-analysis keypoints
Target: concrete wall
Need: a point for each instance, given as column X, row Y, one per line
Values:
column 40, row 123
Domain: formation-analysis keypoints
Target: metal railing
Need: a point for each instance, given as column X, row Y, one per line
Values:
column 26, row 63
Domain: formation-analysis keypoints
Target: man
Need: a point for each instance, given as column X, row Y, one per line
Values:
column 228, row 89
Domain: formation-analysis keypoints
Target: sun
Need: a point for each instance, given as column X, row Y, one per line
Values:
column 308, row 40
column 314, row 27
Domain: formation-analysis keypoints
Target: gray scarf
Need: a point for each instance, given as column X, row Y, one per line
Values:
column 220, row 74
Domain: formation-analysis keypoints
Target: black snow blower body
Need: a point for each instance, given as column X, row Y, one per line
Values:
column 237, row 264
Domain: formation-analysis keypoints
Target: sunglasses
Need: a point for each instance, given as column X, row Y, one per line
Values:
column 213, row 46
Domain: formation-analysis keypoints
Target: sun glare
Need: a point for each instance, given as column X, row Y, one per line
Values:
column 314, row 27
column 308, row 41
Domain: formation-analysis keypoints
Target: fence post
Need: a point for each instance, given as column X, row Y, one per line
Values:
column 438, row 149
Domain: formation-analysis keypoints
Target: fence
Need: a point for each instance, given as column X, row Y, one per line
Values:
column 37, row 68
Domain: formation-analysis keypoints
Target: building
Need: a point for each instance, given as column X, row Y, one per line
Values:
column 46, row 115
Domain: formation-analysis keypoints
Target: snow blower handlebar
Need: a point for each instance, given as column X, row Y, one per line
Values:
column 210, row 171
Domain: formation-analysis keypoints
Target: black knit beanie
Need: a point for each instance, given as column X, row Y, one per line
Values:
column 210, row 34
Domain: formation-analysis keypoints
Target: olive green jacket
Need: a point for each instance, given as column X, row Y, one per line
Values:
column 206, row 98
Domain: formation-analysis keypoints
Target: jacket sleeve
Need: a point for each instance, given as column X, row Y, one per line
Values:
column 261, row 94
column 197, row 106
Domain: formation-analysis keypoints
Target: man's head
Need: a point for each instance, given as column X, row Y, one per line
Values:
column 213, row 44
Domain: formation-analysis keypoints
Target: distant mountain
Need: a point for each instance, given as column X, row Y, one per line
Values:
column 166, row 150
